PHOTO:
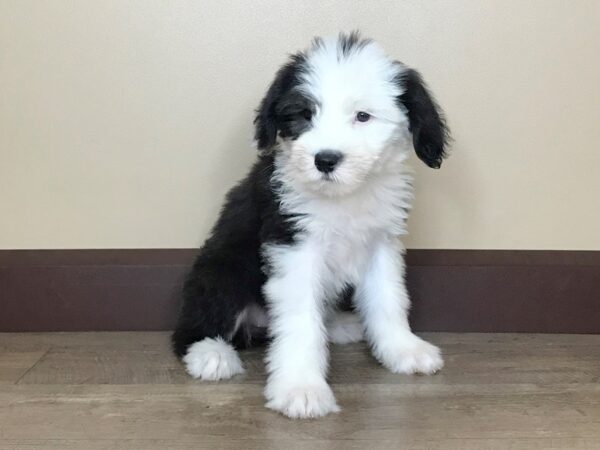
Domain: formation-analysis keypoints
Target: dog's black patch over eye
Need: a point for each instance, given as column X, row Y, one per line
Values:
column 277, row 108
column 285, row 111
column 293, row 114
column 307, row 114
column 362, row 116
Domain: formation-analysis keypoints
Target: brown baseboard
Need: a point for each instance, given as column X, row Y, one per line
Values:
column 452, row 290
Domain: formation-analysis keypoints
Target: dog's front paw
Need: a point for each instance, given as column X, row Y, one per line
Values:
column 412, row 355
column 301, row 401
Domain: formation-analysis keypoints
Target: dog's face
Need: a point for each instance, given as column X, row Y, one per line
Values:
column 339, row 112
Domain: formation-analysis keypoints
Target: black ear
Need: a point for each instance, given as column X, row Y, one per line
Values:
column 425, row 119
column 266, row 121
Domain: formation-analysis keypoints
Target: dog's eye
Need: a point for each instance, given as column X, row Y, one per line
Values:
column 362, row 116
column 307, row 114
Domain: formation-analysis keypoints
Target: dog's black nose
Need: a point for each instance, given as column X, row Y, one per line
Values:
column 326, row 160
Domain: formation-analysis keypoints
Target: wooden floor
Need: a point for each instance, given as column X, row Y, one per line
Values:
column 79, row 391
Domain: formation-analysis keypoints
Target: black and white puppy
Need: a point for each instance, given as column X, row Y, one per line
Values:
column 317, row 219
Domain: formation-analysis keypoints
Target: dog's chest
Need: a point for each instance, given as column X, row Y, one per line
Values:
column 345, row 258
column 345, row 232
column 335, row 237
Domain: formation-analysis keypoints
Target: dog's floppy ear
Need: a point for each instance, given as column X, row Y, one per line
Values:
column 425, row 119
column 266, row 120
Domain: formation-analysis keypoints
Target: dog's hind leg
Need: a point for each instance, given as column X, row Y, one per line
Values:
column 344, row 327
column 216, row 313
column 212, row 359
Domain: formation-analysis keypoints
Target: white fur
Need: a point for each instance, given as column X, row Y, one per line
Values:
column 212, row 359
column 383, row 303
column 345, row 328
column 348, row 227
column 361, row 81
column 252, row 315
column 301, row 401
column 297, row 358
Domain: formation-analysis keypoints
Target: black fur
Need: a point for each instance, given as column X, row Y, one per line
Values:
column 228, row 272
column 284, row 110
column 348, row 43
column 426, row 121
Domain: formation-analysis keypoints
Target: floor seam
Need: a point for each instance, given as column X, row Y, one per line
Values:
column 33, row 366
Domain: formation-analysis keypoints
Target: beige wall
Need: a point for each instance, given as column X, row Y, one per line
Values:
column 123, row 123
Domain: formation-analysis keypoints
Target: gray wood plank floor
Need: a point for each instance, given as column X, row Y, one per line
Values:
column 116, row 391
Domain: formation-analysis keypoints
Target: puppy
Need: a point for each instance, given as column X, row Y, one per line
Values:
column 317, row 220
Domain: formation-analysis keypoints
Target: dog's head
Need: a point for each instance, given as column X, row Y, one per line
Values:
column 340, row 111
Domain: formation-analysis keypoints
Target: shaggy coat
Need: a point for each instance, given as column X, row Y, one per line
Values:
column 314, row 226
